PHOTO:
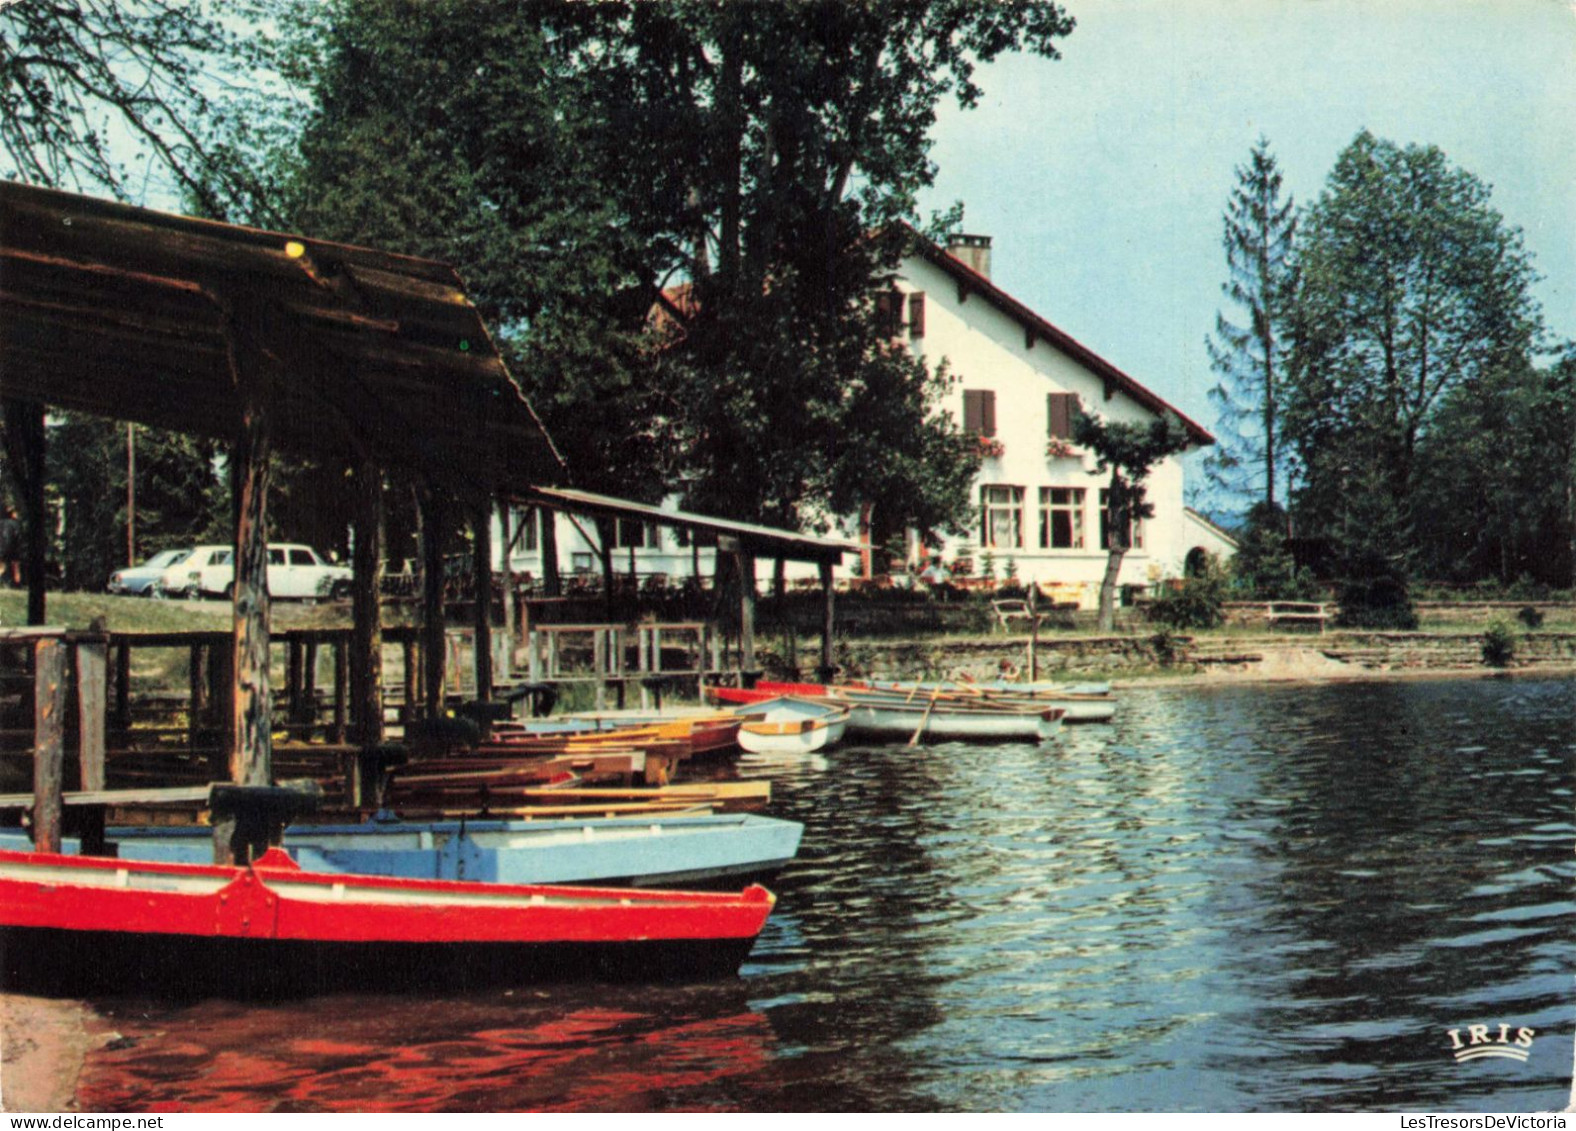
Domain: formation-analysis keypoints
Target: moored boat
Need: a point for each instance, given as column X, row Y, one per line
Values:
column 69, row 923
column 885, row 716
column 695, row 851
column 1080, row 703
column 791, row 725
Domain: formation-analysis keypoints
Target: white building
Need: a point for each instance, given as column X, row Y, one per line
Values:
column 1020, row 381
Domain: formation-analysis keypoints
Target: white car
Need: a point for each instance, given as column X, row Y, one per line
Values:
column 294, row 571
column 181, row 579
column 143, row 580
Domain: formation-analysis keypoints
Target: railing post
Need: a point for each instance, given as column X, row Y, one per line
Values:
column 92, row 690
column 49, row 741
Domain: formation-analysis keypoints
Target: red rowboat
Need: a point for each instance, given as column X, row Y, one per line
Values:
column 69, row 923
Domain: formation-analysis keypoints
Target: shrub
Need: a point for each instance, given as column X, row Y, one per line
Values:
column 1530, row 617
column 1499, row 645
column 1197, row 604
column 1167, row 646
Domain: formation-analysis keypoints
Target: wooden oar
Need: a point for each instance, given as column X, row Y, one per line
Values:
column 923, row 719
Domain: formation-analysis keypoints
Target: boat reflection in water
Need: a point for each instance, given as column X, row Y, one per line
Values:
column 521, row 1050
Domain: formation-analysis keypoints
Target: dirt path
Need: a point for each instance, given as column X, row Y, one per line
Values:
column 43, row 1043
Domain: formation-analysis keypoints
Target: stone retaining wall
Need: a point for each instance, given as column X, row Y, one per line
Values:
column 1072, row 657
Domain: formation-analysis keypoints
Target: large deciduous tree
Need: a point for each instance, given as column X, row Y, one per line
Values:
column 1412, row 290
column 1260, row 225
column 1410, row 286
column 740, row 167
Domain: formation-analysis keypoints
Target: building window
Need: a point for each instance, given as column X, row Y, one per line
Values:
column 916, row 314
column 524, row 532
column 979, row 411
column 630, row 534
column 1061, row 518
column 1001, row 517
column 1061, row 411
column 1135, row 528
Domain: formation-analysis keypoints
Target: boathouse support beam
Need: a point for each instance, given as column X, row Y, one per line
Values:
column 366, row 631
column 251, row 739
column 827, row 672
column 25, row 444
column 481, row 578
column 434, row 650
column 746, row 562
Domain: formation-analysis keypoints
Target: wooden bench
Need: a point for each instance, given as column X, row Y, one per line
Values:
column 1299, row 614
column 1010, row 610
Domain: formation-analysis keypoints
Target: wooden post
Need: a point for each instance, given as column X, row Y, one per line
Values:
column 251, row 745
column 508, row 590
column 49, row 741
column 221, row 689
column 196, row 692
column 434, row 647
column 481, row 577
column 599, row 665
column 552, row 584
column 92, row 690
column 293, row 656
column 366, row 633
column 1034, row 633
column 341, row 690
column 123, row 685
column 826, row 672
column 412, row 680
column 309, row 686
column 746, row 562
column 24, row 442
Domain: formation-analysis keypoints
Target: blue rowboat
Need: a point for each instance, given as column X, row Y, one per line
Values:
column 700, row 851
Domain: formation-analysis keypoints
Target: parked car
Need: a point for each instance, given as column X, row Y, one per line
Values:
column 294, row 571
column 139, row 580
column 182, row 578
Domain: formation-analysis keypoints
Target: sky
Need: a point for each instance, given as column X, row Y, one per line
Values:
column 1102, row 177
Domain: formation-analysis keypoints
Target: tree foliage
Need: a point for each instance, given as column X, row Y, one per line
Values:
column 86, row 86
column 740, row 166
column 1260, row 226
column 1129, row 452
column 1410, row 286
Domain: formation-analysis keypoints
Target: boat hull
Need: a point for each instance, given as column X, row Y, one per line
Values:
column 705, row 852
column 791, row 726
column 57, row 962
column 79, row 922
column 884, row 716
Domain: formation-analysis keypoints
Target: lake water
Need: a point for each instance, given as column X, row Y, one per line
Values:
column 1239, row 898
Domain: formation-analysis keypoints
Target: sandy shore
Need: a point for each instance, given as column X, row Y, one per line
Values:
column 43, row 1044
column 1309, row 665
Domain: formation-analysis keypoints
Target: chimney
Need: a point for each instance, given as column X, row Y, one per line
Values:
column 972, row 251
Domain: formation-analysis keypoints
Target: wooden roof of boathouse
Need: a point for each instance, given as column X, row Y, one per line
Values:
column 132, row 313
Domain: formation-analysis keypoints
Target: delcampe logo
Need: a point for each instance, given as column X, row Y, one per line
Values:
column 1484, row 1041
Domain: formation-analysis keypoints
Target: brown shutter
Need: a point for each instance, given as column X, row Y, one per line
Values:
column 973, row 411
column 1061, row 408
column 916, row 314
column 988, row 425
column 889, row 313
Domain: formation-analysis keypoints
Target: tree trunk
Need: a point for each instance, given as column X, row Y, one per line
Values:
column 1116, row 547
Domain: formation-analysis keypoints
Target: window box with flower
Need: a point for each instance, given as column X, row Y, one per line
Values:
column 990, row 447
column 1059, row 447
